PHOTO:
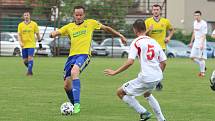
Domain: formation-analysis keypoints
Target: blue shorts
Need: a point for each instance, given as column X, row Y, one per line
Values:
column 27, row 52
column 81, row 60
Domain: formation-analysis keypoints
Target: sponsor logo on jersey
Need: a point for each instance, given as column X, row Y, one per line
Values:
column 79, row 33
column 157, row 31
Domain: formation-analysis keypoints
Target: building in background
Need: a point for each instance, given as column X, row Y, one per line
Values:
column 179, row 12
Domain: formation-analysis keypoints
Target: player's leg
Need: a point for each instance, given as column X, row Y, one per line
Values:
column 131, row 101
column 30, row 61
column 127, row 93
column 81, row 62
column 76, row 87
column 68, row 89
column 196, row 55
column 202, row 67
column 153, row 102
column 202, row 62
column 67, row 78
column 25, row 57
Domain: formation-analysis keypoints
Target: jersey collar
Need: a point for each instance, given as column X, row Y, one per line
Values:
column 79, row 23
column 27, row 23
column 156, row 20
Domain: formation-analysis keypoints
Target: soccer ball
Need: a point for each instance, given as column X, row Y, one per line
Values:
column 66, row 108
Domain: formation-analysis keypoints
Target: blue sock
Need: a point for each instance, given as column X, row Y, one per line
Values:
column 76, row 87
column 26, row 63
column 70, row 96
column 30, row 65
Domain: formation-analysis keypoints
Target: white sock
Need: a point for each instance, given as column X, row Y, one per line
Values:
column 132, row 102
column 156, row 107
column 202, row 65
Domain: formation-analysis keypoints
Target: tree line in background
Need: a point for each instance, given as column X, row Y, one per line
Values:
column 108, row 12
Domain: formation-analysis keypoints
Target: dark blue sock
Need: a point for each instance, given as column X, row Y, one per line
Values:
column 26, row 63
column 70, row 96
column 76, row 87
column 30, row 65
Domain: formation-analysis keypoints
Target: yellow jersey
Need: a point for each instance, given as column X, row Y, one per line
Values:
column 159, row 29
column 80, row 35
column 27, row 32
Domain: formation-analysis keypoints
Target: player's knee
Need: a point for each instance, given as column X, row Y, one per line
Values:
column 74, row 73
column 30, row 58
column 120, row 93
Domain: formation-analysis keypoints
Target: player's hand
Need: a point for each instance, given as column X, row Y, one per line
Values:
column 109, row 72
column 21, row 44
column 51, row 35
column 167, row 40
column 40, row 45
column 123, row 39
column 151, row 27
column 190, row 45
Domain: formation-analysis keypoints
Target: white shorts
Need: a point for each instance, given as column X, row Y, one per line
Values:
column 198, row 53
column 137, row 87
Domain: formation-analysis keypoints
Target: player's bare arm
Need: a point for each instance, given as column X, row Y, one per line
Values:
column 171, row 32
column 20, row 40
column 38, row 37
column 191, row 41
column 114, row 32
column 127, row 64
column 163, row 65
column 54, row 34
column 149, row 29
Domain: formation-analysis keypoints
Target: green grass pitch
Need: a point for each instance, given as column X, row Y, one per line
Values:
column 185, row 97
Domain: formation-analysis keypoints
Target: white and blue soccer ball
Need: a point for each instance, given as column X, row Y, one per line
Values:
column 67, row 108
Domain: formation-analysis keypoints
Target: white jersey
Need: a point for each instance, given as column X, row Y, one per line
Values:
column 150, row 55
column 200, row 29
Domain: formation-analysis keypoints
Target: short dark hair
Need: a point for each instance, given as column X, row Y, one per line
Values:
column 27, row 12
column 198, row 12
column 139, row 25
column 156, row 5
column 79, row 7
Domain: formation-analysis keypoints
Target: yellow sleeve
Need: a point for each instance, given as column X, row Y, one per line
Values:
column 36, row 29
column 168, row 25
column 19, row 28
column 96, row 24
column 63, row 30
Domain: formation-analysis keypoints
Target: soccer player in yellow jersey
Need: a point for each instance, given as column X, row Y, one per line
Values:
column 80, row 32
column 157, row 27
column 26, row 36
